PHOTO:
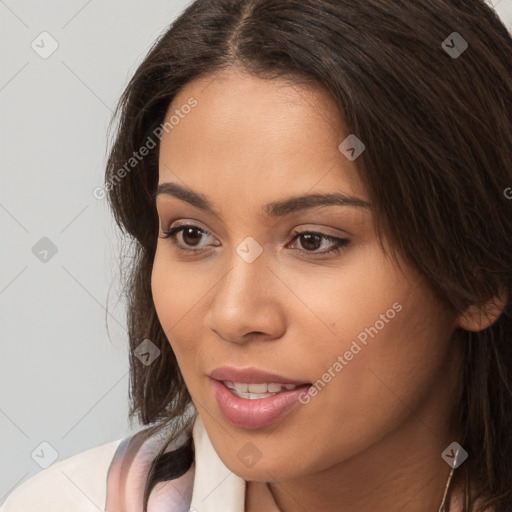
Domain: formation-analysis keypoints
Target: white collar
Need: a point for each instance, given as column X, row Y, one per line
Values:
column 214, row 484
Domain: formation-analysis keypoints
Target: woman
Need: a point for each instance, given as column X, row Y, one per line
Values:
column 319, row 299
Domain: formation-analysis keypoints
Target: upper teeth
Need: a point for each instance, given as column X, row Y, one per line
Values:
column 243, row 387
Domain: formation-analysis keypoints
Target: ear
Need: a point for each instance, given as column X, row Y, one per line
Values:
column 478, row 318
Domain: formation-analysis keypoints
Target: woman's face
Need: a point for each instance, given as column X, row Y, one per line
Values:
column 239, row 290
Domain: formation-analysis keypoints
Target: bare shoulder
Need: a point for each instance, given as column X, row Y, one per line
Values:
column 78, row 483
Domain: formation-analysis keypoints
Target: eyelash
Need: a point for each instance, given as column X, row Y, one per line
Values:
column 340, row 242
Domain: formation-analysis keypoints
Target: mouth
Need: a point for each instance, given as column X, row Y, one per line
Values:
column 251, row 398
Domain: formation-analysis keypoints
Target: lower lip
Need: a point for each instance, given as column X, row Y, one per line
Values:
column 258, row 413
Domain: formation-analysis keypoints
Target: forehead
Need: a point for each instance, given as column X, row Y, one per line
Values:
column 258, row 135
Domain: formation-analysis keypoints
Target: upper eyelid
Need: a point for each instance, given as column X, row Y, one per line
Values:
column 193, row 224
column 197, row 224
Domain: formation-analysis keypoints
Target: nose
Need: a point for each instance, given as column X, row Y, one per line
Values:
column 247, row 303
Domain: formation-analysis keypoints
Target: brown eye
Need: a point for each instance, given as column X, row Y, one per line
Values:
column 312, row 241
column 190, row 237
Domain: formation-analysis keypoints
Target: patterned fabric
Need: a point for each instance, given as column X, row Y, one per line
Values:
column 208, row 486
column 112, row 477
column 127, row 476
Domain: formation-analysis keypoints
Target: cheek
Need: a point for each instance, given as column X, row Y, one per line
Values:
column 389, row 368
column 345, row 303
column 393, row 337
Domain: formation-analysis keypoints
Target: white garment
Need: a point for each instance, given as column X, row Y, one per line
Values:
column 79, row 483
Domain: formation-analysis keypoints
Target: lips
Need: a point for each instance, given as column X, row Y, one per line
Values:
column 252, row 398
column 251, row 375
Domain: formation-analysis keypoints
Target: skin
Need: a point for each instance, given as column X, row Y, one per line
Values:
column 372, row 438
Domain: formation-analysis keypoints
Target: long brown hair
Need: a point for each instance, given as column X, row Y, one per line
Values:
column 437, row 167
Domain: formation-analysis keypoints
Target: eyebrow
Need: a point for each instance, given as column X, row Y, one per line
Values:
column 272, row 209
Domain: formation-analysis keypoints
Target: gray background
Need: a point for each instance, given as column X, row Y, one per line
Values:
column 63, row 377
